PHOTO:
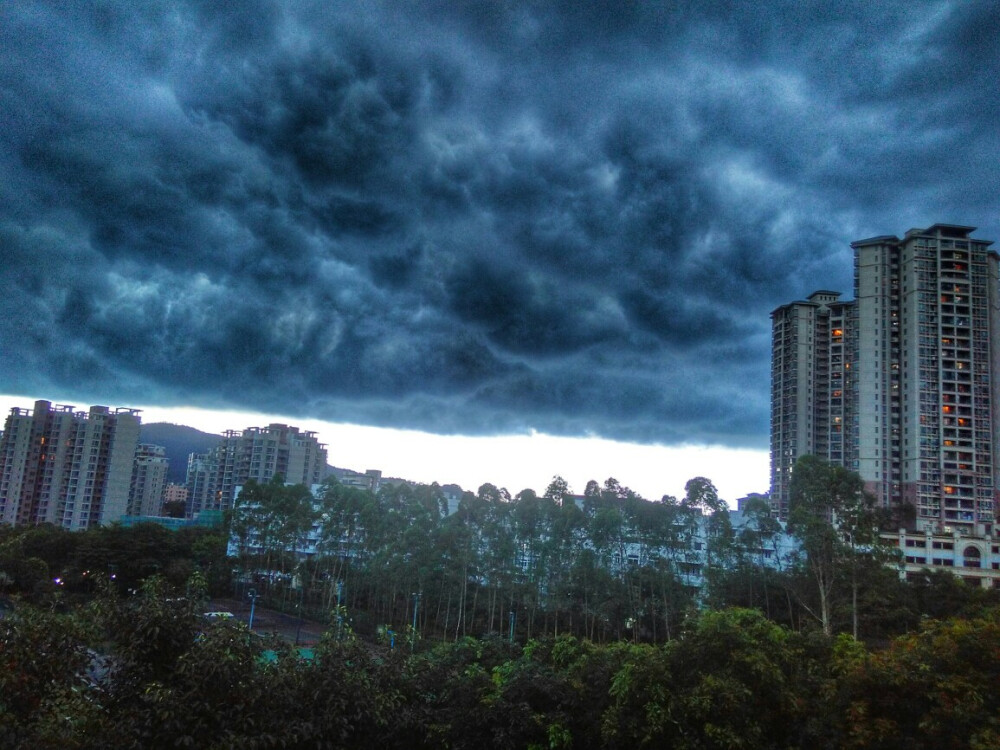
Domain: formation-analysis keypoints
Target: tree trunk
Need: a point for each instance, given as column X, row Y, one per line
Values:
column 854, row 599
column 447, row 617
column 461, row 602
column 475, row 604
column 492, row 600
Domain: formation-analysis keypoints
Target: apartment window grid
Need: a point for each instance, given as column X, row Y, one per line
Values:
column 927, row 420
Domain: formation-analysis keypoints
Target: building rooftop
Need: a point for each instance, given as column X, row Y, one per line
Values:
column 956, row 231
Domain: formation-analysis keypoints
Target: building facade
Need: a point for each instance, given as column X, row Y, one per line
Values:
column 66, row 467
column 810, row 380
column 256, row 453
column 902, row 384
column 975, row 558
column 369, row 480
column 149, row 478
column 175, row 493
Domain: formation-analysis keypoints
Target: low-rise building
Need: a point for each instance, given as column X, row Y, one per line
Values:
column 973, row 558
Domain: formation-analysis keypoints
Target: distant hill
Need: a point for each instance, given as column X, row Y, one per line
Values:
column 179, row 442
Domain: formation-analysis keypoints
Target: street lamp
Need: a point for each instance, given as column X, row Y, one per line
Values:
column 252, row 595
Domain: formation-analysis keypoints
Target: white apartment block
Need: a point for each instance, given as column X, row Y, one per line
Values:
column 975, row 558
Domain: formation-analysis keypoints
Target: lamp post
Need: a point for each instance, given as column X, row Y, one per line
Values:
column 416, row 606
column 252, row 595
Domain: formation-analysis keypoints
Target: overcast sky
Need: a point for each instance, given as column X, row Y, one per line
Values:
column 466, row 218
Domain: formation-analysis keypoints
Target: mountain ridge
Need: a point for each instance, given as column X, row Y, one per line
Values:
column 179, row 441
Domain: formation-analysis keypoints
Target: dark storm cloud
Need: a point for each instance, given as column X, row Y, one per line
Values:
column 469, row 218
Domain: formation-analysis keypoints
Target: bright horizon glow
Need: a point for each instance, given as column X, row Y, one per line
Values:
column 516, row 462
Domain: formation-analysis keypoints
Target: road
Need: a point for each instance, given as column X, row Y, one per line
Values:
column 267, row 620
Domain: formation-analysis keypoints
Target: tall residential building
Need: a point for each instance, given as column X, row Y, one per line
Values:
column 257, row 453
column 66, row 467
column 902, row 384
column 149, row 477
column 810, row 377
column 199, row 482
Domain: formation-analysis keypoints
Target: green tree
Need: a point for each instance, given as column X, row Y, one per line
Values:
column 730, row 681
column 834, row 520
column 498, row 556
column 174, row 509
column 932, row 689
column 43, row 680
column 342, row 547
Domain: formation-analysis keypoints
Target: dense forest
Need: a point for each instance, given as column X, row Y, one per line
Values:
column 145, row 671
column 544, row 621
column 605, row 567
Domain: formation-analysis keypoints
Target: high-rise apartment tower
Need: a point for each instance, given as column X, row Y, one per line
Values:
column 149, row 478
column 67, row 467
column 902, row 384
column 257, row 453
